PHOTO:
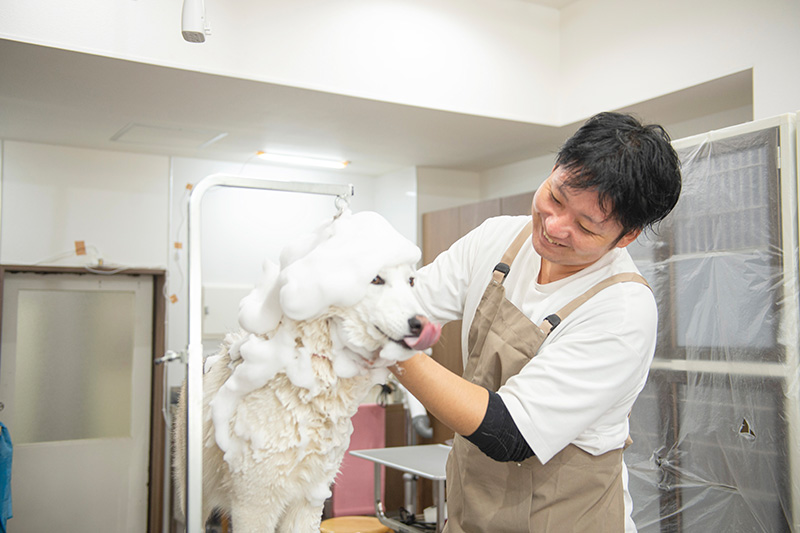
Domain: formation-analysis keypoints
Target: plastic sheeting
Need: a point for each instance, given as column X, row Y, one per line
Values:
column 715, row 430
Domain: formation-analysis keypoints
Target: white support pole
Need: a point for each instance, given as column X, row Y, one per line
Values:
column 194, row 364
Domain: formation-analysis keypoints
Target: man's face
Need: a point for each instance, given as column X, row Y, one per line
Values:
column 570, row 229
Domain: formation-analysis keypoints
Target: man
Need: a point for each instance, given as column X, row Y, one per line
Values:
column 559, row 332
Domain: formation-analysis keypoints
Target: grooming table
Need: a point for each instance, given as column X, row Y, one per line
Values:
column 427, row 461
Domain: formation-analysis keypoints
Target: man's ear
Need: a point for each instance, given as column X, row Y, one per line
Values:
column 628, row 238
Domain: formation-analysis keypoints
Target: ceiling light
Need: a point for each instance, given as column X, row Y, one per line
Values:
column 302, row 160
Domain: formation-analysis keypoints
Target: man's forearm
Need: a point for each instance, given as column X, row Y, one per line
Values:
column 456, row 402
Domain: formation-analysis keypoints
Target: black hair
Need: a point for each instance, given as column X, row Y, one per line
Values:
column 632, row 166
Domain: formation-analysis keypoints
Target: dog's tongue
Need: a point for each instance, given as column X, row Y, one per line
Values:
column 428, row 337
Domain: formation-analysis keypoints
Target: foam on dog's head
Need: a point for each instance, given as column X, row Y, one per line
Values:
column 334, row 265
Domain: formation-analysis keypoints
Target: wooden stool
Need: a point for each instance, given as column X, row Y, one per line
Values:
column 353, row 524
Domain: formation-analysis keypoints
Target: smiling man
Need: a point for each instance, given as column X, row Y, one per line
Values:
column 559, row 330
column 571, row 230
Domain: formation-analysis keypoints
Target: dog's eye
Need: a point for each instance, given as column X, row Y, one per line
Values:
column 411, row 281
column 378, row 281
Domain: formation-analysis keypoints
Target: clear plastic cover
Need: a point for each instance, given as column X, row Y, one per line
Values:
column 715, row 430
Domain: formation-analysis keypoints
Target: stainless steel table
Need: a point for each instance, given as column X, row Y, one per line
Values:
column 427, row 461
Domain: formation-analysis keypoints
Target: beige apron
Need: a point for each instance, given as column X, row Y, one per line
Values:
column 575, row 491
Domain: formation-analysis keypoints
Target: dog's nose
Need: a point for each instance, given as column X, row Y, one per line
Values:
column 415, row 326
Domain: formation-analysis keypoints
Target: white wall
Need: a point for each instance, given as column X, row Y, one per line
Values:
column 441, row 188
column 396, row 199
column 516, row 178
column 527, row 175
column 53, row 196
column 618, row 52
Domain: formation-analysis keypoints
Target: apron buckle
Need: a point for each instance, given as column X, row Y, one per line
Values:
column 503, row 269
column 554, row 320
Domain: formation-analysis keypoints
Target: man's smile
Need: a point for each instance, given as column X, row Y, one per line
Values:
column 548, row 239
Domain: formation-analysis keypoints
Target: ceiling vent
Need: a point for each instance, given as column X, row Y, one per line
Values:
column 167, row 137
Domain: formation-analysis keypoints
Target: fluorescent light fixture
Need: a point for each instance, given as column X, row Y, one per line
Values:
column 302, row 161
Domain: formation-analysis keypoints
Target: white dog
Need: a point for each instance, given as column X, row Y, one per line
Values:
column 318, row 333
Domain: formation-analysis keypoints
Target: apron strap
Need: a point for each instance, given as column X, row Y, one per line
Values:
column 551, row 321
column 504, row 266
column 564, row 312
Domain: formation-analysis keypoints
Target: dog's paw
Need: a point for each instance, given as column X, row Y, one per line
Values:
column 348, row 365
column 392, row 353
column 379, row 376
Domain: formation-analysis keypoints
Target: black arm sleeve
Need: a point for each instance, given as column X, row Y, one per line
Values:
column 498, row 436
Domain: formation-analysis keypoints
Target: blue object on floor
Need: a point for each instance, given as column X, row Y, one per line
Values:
column 6, row 454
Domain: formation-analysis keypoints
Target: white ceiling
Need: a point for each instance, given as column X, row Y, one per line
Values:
column 558, row 4
column 55, row 96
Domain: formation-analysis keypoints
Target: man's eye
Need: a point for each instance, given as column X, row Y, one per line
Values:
column 554, row 199
column 378, row 281
column 411, row 281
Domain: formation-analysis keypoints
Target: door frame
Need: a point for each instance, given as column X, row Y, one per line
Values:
column 158, row 429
